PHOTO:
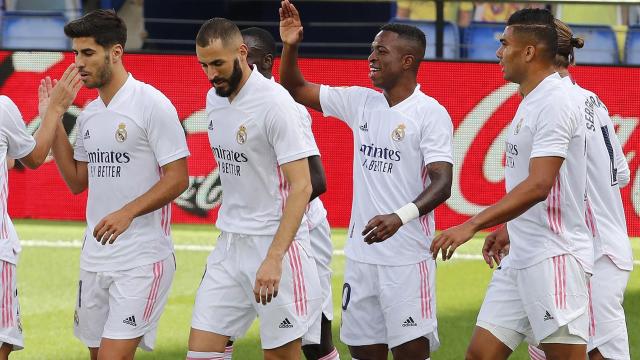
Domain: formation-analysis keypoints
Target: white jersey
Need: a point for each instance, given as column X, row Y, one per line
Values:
column 392, row 146
column 548, row 123
column 315, row 212
column 605, row 212
column 16, row 143
column 251, row 138
column 125, row 145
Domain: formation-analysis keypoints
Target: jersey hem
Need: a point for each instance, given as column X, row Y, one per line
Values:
column 177, row 156
column 294, row 157
column 122, row 266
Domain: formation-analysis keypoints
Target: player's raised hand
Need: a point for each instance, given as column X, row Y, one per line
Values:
column 496, row 246
column 449, row 240
column 290, row 24
column 64, row 91
column 267, row 280
column 44, row 93
column 111, row 226
column 381, row 227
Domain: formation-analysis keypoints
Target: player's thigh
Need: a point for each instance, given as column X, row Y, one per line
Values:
column 607, row 322
column 408, row 297
column 502, row 313
column 222, row 307
column 363, row 320
column 555, row 351
column 122, row 349
column 555, row 293
column 369, row 352
column 290, row 350
column 92, row 307
column 136, row 301
column 413, row 349
column 296, row 312
column 485, row 345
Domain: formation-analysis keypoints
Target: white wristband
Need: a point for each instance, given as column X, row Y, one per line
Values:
column 408, row 212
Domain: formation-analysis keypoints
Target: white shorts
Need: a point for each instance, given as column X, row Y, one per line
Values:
column 534, row 302
column 10, row 324
column 389, row 304
column 608, row 328
column 124, row 304
column 322, row 250
column 225, row 303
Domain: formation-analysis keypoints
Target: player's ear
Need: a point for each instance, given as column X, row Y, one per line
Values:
column 268, row 61
column 408, row 62
column 116, row 52
column 529, row 53
column 244, row 51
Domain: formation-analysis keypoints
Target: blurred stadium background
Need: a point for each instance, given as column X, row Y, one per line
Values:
column 460, row 72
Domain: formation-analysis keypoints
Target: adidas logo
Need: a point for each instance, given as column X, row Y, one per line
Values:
column 409, row 322
column 547, row 316
column 364, row 127
column 285, row 324
column 211, row 125
column 86, row 135
column 131, row 320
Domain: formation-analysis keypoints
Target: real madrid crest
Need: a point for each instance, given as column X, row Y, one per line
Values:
column 517, row 130
column 241, row 135
column 121, row 133
column 398, row 133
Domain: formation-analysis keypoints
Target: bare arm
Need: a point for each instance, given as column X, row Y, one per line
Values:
column 172, row 183
column 270, row 271
column 534, row 189
column 74, row 172
column 304, row 92
column 382, row 227
column 318, row 178
column 53, row 102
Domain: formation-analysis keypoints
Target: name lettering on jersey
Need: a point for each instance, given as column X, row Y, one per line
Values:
column 398, row 133
column 241, row 135
column 375, row 165
column 104, row 164
column 121, row 133
column 511, row 150
column 589, row 114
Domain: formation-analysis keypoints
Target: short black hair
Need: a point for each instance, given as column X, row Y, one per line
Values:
column 538, row 24
column 411, row 34
column 104, row 26
column 265, row 40
column 217, row 28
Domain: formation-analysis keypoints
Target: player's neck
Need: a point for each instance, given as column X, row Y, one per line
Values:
column 399, row 92
column 246, row 73
column 108, row 91
column 534, row 78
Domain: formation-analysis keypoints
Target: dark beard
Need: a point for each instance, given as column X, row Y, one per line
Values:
column 103, row 75
column 233, row 81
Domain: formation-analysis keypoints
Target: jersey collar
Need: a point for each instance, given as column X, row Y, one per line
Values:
column 121, row 93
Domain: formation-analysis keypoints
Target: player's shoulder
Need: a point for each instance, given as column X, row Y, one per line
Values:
column 8, row 107
column 149, row 94
column 430, row 107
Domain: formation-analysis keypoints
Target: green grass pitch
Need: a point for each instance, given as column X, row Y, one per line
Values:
column 47, row 278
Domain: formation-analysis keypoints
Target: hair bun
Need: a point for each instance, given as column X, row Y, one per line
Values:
column 577, row 42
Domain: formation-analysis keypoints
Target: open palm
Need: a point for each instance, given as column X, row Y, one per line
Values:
column 290, row 24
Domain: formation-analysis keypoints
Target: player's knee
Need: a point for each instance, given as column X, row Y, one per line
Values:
column 473, row 353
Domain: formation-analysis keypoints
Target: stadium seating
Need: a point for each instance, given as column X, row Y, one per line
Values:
column 451, row 37
column 632, row 46
column 33, row 30
column 481, row 40
column 600, row 44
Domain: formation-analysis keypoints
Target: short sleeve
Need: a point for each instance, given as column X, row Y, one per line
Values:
column 555, row 127
column 19, row 142
column 79, row 152
column 344, row 103
column 285, row 128
column 436, row 142
column 623, row 173
column 165, row 133
column 307, row 133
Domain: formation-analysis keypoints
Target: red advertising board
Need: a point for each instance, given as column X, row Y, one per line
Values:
column 479, row 101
